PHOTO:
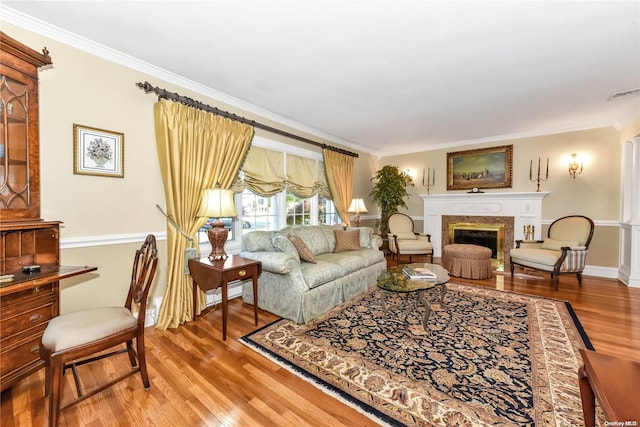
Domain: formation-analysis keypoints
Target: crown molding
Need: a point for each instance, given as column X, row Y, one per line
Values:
column 44, row 29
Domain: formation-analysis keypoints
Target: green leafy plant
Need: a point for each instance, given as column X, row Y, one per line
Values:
column 389, row 192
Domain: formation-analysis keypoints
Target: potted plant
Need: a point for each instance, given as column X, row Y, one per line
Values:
column 389, row 192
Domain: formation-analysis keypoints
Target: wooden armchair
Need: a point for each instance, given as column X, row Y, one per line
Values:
column 404, row 241
column 564, row 251
column 74, row 339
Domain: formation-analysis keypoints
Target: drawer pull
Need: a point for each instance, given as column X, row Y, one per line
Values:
column 35, row 290
column 34, row 318
column 242, row 273
column 35, row 349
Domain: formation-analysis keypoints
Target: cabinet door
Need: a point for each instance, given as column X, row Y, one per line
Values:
column 19, row 145
column 15, row 176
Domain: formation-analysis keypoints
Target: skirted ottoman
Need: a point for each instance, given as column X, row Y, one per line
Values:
column 468, row 261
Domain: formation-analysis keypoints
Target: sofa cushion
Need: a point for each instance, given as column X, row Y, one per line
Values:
column 257, row 241
column 556, row 245
column 321, row 272
column 283, row 244
column 303, row 250
column 539, row 257
column 347, row 240
column 313, row 236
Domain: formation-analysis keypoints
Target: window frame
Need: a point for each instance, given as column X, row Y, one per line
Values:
column 233, row 245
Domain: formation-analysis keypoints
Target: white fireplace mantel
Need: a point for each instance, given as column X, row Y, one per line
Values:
column 525, row 208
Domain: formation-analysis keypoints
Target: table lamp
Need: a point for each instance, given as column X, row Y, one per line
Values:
column 217, row 203
column 357, row 206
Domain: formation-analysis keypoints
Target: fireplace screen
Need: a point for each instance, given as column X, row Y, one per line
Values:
column 488, row 235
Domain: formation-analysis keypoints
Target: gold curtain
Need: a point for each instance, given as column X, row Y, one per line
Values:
column 339, row 168
column 302, row 176
column 323, row 185
column 264, row 171
column 196, row 150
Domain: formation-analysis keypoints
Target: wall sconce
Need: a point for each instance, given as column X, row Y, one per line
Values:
column 575, row 167
column 357, row 206
column 410, row 172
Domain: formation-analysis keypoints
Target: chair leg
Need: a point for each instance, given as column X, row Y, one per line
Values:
column 142, row 361
column 47, row 378
column 512, row 267
column 554, row 281
column 132, row 354
column 55, row 388
column 431, row 258
column 579, row 279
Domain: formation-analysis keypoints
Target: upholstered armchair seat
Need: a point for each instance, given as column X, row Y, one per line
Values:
column 404, row 241
column 564, row 251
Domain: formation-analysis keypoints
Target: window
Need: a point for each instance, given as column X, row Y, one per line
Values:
column 298, row 210
column 273, row 166
column 229, row 224
column 259, row 212
column 327, row 211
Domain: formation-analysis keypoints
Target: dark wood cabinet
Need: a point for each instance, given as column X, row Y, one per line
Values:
column 19, row 137
column 27, row 300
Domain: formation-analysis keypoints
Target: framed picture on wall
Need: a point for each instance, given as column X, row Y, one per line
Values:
column 98, row 152
column 482, row 168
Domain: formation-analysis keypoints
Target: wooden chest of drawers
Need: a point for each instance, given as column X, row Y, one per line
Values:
column 24, row 316
column 28, row 300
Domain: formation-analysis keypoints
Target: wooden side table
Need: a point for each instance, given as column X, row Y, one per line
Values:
column 211, row 274
column 615, row 382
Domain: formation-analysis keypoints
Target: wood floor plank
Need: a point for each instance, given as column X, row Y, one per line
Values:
column 199, row 380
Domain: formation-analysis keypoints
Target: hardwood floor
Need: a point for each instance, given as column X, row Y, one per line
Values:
column 199, row 380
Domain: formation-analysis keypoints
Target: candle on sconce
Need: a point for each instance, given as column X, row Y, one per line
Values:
column 530, row 169
column 547, row 175
column 538, row 166
column 423, row 177
column 433, row 178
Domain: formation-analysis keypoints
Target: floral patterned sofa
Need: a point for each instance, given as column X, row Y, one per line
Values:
column 336, row 268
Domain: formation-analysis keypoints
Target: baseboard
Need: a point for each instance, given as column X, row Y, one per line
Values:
column 212, row 297
column 597, row 271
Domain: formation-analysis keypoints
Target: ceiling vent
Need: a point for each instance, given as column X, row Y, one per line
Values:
column 624, row 94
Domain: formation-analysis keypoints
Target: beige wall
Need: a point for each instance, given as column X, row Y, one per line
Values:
column 595, row 193
column 85, row 89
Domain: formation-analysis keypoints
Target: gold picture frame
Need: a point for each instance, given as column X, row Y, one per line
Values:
column 97, row 152
column 482, row 168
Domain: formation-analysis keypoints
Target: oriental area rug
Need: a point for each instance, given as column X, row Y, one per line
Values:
column 488, row 357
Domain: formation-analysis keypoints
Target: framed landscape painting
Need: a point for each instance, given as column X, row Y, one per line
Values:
column 482, row 168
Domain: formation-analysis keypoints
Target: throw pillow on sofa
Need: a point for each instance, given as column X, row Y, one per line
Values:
column 347, row 240
column 302, row 248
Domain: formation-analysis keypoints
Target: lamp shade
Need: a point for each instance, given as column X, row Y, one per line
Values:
column 217, row 203
column 357, row 206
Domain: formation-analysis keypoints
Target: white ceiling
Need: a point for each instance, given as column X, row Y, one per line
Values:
column 387, row 77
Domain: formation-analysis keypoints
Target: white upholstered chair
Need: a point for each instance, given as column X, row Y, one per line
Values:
column 75, row 338
column 404, row 241
column 564, row 251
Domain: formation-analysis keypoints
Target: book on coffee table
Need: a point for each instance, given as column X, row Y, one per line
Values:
column 418, row 273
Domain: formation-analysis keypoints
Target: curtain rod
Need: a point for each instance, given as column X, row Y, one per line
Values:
column 172, row 96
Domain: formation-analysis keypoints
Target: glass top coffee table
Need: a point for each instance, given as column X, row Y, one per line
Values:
column 395, row 280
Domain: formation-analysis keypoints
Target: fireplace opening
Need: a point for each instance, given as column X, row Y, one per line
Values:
column 488, row 235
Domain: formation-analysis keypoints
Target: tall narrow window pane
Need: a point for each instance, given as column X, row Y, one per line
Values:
column 327, row 211
column 259, row 212
column 298, row 210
